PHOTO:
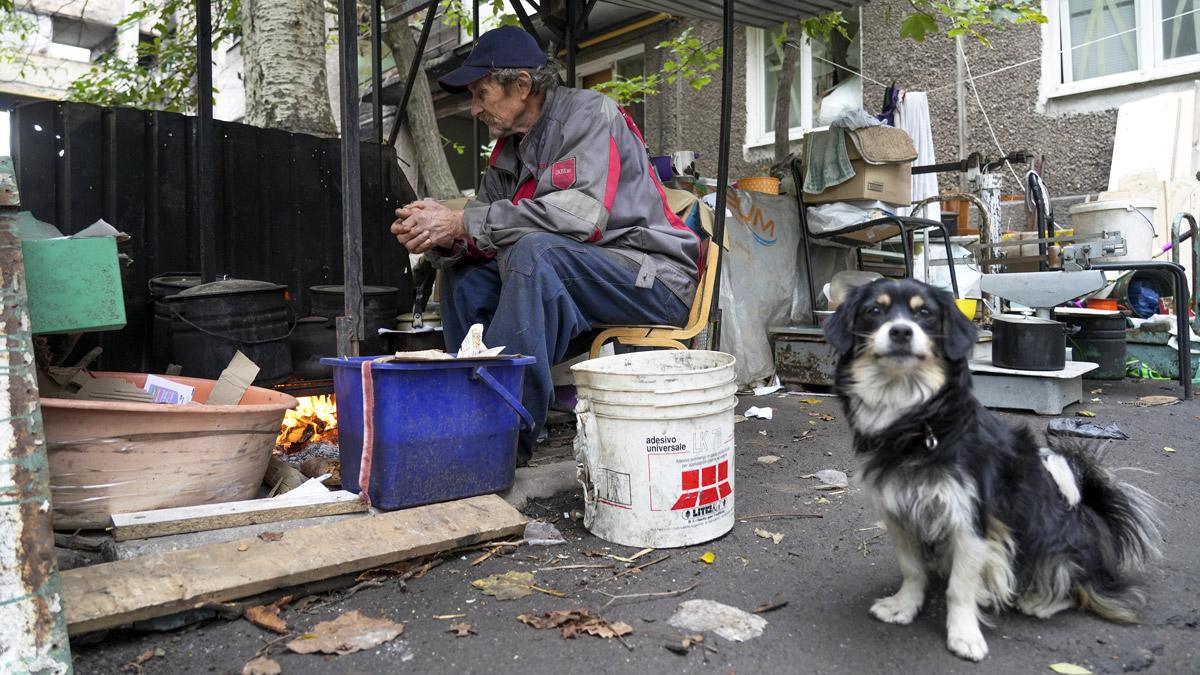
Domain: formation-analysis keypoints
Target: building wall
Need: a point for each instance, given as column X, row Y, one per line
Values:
column 1077, row 145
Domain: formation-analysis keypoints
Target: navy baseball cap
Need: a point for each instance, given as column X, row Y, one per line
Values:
column 504, row 47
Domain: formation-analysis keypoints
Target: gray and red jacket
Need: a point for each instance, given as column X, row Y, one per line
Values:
column 582, row 171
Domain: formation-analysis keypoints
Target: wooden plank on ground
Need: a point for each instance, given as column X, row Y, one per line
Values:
column 178, row 520
column 111, row 594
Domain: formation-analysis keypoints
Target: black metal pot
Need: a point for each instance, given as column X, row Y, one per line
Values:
column 1028, row 343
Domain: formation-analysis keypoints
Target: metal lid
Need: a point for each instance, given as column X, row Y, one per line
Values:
column 1026, row 320
column 339, row 289
column 227, row 286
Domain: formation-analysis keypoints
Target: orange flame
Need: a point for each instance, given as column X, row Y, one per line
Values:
column 314, row 419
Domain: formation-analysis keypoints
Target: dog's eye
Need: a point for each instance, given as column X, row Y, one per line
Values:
column 924, row 312
column 875, row 311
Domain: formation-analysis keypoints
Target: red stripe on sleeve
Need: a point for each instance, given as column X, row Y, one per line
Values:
column 614, row 174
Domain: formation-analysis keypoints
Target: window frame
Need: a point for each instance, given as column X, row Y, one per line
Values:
column 596, row 65
column 1151, row 66
column 757, row 136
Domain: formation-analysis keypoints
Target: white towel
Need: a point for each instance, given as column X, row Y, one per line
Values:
column 912, row 115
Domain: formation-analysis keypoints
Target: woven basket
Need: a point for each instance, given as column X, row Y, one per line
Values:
column 765, row 184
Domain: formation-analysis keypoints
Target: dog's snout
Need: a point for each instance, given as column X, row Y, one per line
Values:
column 901, row 333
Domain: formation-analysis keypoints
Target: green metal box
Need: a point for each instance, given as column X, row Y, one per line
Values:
column 74, row 284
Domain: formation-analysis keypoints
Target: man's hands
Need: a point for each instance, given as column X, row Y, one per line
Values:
column 421, row 226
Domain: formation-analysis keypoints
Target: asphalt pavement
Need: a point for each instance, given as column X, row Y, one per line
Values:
column 827, row 569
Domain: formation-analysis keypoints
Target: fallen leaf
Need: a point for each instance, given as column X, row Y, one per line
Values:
column 136, row 664
column 831, row 479
column 811, row 401
column 267, row 618
column 270, row 536
column 1097, row 391
column 773, row 536
column 508, row 586
column 349, row 633
column 1069, row 669
column 708, row 557
column 243, row 547
column 822, row 500
column 262, row 666
column 1085, row 413
column 1168, row 449
column 461, row 629
column 769, row 459
column 821, row 416
column 813, row 422
column 572, row 622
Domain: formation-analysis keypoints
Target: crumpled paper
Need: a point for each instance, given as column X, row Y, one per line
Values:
column 472, row 345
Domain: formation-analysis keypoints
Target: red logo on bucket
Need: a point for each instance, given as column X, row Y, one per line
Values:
column 562, row 174
column 704, row 486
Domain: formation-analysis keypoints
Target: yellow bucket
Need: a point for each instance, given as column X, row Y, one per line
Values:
column 967, row 306
column 765, row 184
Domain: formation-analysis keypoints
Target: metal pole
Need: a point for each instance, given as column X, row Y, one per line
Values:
column 413, row 69
column 569, row 40
column 377, row 69
column 960, row 99
column 476, row 170
column 33, row 630
column 350, row 326
column 714, row 338
column 205, row 172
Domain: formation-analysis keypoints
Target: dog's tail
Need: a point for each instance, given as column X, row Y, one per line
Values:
column 1126, row 531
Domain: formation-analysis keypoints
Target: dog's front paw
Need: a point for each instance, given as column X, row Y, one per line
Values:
column 899, row 608
column 969, row 645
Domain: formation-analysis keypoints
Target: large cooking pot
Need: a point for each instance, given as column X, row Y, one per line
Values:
column 1028, row 343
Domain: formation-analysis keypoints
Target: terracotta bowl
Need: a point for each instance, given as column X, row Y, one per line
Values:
column 111, row 457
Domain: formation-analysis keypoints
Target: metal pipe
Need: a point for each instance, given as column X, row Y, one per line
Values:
column 410, row 11
column 350, row 326
column 1175, row 241
column 527, row 23
column 377, row 69
column 1181, row 300
column 33, row 628
column 414, row 69
column 714, row 338
column 569, row 39
column 476, row 170
column 804, row 243
column 203, row 148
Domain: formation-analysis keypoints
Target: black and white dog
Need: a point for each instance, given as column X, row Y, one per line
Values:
column 1007, row 521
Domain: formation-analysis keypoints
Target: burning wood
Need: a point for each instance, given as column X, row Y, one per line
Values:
column 313, row 420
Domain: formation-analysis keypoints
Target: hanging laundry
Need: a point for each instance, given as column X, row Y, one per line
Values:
column 912, row 115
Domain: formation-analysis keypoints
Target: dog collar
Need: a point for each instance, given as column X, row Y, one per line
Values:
column 931, row 441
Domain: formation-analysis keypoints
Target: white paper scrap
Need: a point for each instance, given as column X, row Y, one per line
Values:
column 759, row 413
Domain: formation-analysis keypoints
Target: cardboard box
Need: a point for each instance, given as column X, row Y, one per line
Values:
column 890, row 183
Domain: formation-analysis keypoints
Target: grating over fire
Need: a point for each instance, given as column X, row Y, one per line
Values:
column 314, row 420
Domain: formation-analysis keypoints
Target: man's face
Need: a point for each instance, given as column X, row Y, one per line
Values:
column 498, row 107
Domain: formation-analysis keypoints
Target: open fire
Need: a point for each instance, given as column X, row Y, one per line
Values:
column 313, row 420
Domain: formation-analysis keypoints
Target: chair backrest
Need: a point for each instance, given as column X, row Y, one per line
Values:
column 702, row 304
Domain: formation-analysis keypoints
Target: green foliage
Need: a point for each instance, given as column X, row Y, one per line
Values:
column 690, row 60
column 16, row 28
column 629, row 90
column 960, row 17
column 457, row 13
column 161, row 73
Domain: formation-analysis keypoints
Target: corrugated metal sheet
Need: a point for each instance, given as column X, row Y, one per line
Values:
column 277, row 203
column 748, row 12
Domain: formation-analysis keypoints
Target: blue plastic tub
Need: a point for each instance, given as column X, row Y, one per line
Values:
column 443, row 429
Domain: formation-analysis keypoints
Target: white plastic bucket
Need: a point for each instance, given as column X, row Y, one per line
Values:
column 1134, row 219
column 655, row 446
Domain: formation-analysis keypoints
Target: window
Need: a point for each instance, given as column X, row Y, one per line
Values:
column 1108, row 43
column 825, row 84
column 627, row 63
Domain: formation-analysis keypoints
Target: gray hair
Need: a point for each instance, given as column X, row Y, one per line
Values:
column 544, row 77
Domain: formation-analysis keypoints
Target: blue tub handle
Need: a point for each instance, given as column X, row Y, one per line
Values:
column 481, row 373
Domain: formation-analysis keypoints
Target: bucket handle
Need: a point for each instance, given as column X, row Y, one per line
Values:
column 176, row 313
column 481, row 373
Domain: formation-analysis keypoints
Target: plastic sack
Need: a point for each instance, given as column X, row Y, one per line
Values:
column 762, row 280
column 1143, row 298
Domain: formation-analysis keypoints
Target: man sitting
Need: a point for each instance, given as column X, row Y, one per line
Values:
column 570, row 228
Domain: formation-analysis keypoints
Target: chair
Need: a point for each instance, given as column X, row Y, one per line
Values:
column 670, row 336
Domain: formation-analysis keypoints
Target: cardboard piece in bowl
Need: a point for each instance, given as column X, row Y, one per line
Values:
column 234, row 381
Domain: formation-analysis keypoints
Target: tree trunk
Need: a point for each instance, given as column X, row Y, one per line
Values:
column 783, row 94
column 420, row 118
column 283, row 47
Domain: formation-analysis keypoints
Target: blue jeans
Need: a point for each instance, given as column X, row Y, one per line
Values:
column 539, row 294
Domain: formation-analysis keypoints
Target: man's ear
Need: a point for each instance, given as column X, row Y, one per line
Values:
column 958, row 330
column 839, row 329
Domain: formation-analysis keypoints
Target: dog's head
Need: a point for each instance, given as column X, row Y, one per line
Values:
column 900, row 323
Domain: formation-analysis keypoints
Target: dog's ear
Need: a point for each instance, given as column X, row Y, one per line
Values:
column 959, row 331
column 839, row 329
